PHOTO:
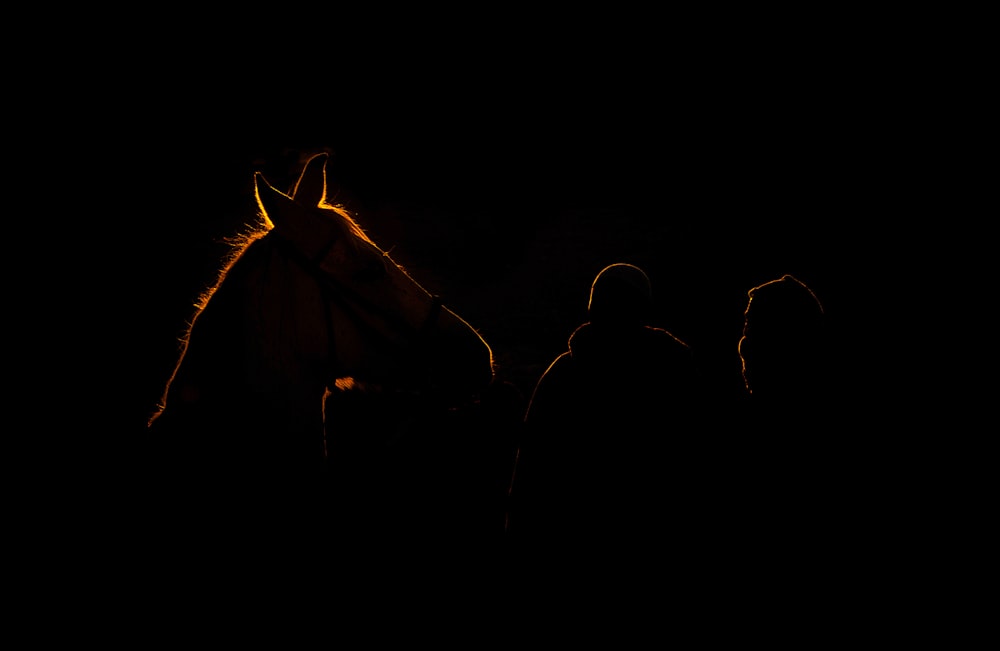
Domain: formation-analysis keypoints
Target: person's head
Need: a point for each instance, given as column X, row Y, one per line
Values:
column 783, row 338
column 620, row 295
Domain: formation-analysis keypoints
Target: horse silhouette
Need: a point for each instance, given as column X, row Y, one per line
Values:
column 307, row 303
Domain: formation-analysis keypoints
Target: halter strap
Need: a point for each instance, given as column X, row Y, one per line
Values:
column 345, row 297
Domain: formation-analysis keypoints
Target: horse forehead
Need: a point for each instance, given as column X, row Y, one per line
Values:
column 309, row 229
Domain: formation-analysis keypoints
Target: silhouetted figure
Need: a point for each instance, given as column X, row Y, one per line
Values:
column 607, row 435
column 804, row 504
column 784, row 346
column 784, row 350
column 237, row 446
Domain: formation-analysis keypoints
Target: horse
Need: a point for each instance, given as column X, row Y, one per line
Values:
column 306, row 305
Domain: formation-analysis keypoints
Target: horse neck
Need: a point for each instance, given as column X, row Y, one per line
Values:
column 257, row 349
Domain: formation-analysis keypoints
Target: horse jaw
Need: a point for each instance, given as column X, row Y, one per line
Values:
column 461, row 359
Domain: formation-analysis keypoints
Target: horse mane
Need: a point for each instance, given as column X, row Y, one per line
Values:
column 240, row 246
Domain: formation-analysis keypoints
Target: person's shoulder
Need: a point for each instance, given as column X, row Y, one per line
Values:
column 665, row 339
column 558, row 365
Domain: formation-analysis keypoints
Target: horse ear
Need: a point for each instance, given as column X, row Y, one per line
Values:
column 310, row 189
column 269, row 199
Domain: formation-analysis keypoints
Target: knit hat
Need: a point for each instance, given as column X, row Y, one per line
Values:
column 620, row 294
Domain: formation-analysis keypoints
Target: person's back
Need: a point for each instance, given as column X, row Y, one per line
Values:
column 787, row 365
column 805, row 477
column 607, row 429
column 783, row 351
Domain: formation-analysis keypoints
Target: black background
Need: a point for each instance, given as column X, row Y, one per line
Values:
column 506, row 189
column 504, row 162
column 504, row 159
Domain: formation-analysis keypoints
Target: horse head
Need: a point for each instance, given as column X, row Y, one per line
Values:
column 307, row 303
column 381, row 326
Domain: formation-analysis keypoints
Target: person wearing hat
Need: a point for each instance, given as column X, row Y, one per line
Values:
column 605, row 425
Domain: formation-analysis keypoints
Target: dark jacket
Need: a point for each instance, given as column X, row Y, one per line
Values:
column 607, row 437
column 613, row 377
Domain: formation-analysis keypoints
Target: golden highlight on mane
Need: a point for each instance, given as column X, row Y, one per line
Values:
column 347, row 219
column 242, row 240
column 238, row 244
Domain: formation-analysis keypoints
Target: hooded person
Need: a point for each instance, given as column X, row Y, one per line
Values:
column 617, row 370
column 605, row 420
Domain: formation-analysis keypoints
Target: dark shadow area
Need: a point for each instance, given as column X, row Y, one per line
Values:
column 508, row 215
column 504, row 171
column 513, row 244
column 609, row 440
